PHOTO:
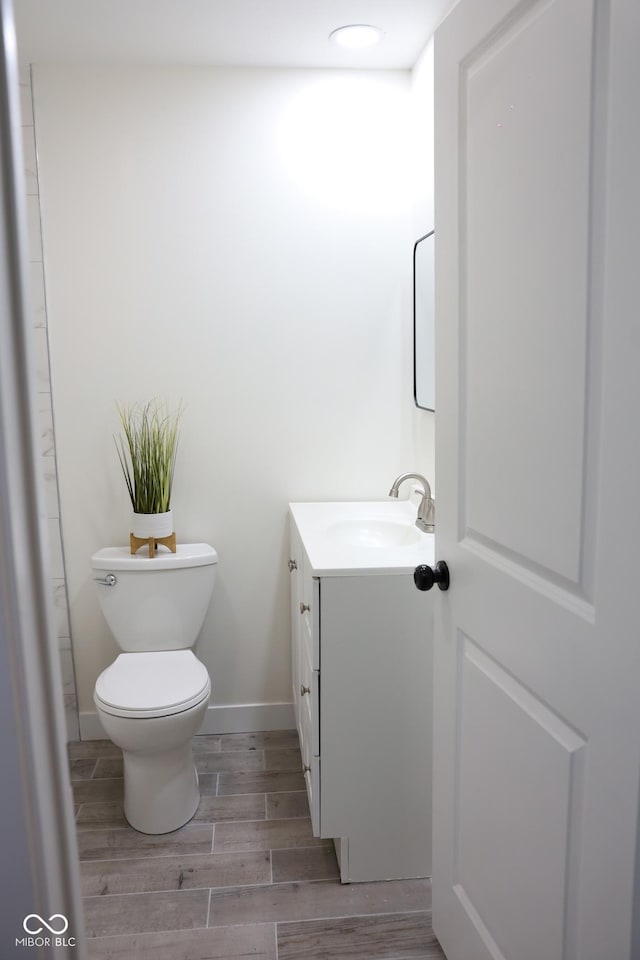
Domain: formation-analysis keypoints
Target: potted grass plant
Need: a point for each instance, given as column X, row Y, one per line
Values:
column 147, row 450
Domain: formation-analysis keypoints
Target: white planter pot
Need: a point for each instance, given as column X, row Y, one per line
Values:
column 156, row 525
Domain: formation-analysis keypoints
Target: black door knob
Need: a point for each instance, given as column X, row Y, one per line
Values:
column 424, row 577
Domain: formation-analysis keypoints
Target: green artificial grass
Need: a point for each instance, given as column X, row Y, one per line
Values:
column 147, row 454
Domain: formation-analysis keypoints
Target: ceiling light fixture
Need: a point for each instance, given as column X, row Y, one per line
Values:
column 356, row 36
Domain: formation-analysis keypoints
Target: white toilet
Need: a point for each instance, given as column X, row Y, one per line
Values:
column 153, row 697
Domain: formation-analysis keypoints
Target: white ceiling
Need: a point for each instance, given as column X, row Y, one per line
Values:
column 274, row 33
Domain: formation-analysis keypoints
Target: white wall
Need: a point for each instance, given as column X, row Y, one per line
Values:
column 240, row 240
column 422, row 133
column 423, row 191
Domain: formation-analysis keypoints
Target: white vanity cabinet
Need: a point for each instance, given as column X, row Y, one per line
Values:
column 362, row 691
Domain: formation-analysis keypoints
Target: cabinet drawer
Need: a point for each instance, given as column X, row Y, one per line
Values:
column 309, row 701
column 310, row 614
column 311, row 769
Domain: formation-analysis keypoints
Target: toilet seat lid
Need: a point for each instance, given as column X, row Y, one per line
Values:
column 152, row 684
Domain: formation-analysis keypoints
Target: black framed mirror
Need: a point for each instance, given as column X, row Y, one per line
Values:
column 423, row 321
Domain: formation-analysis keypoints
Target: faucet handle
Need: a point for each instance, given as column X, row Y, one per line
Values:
column 426, row 518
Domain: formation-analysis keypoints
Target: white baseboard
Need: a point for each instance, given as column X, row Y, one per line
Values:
column 233, row 718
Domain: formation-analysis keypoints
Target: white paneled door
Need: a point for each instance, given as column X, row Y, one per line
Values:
column 537, row 653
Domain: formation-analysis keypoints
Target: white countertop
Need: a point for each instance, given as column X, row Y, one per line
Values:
column 362, row 537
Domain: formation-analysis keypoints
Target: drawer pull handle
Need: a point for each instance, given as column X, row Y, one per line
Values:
column 304, row 606
column 306, row 768
column 292, row 565
column 304, row 690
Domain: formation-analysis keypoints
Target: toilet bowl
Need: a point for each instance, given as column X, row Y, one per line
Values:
column 153, row 698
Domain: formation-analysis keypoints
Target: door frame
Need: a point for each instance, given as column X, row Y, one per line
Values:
column 37, row 830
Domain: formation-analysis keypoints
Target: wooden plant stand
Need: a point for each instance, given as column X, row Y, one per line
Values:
column 137, row 542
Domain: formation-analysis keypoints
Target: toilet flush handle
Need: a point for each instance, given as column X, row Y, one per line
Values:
column 109, row 581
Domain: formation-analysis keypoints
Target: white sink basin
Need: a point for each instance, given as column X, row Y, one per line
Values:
column 355, row 538
column 378, row 534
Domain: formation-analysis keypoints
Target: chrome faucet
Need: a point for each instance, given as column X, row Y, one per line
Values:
column 426, row 509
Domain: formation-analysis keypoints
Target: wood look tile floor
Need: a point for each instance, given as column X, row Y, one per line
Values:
column 245, row 878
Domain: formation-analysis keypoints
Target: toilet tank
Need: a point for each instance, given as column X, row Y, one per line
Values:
column 155, row 603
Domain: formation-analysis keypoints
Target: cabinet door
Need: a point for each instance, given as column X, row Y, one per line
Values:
column 309, row 735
